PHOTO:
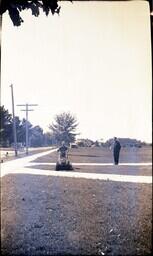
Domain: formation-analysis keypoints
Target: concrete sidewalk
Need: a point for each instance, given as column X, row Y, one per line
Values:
column 19, row 164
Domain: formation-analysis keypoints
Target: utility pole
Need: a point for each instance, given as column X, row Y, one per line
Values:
column 27, row 127
column 14, row 122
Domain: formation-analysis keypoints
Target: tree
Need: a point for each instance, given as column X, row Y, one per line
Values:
column 6, row 136
column 19, row 129
column 22, row 132
column 14, row 8
column 63, row 128
column 36, row 136
column 49, row 139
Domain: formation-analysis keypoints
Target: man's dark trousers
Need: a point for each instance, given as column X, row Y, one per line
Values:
column 116, row 156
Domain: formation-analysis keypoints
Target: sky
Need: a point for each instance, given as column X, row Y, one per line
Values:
column 93, row 60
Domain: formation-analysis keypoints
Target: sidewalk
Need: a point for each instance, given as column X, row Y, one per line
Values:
column 21, row 153
column 19, row 164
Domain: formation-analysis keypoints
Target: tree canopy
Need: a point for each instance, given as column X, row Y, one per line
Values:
column 64, row 127
column 15, row 7
column 37, row 137
column 5, row 126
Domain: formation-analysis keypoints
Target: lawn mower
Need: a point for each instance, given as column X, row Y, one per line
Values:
column 63, row 162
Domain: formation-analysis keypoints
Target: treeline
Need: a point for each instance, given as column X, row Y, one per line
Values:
column 37, row 137
column 62, row 128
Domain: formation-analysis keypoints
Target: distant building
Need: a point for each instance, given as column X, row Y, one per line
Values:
column 125, row 142
column 84, row 142
column 73, row 145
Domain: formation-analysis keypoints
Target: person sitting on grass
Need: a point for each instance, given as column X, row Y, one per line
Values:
column 63, row 150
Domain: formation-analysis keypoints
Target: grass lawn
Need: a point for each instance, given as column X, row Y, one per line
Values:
column 102, row 155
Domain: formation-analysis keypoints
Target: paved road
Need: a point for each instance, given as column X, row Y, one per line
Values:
column 50, row 213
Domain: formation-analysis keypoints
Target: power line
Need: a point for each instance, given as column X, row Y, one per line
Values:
column 27, row 128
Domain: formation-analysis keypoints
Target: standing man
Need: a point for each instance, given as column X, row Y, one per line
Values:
column 116, row 151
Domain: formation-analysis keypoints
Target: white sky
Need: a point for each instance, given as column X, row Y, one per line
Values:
column 93, row 60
